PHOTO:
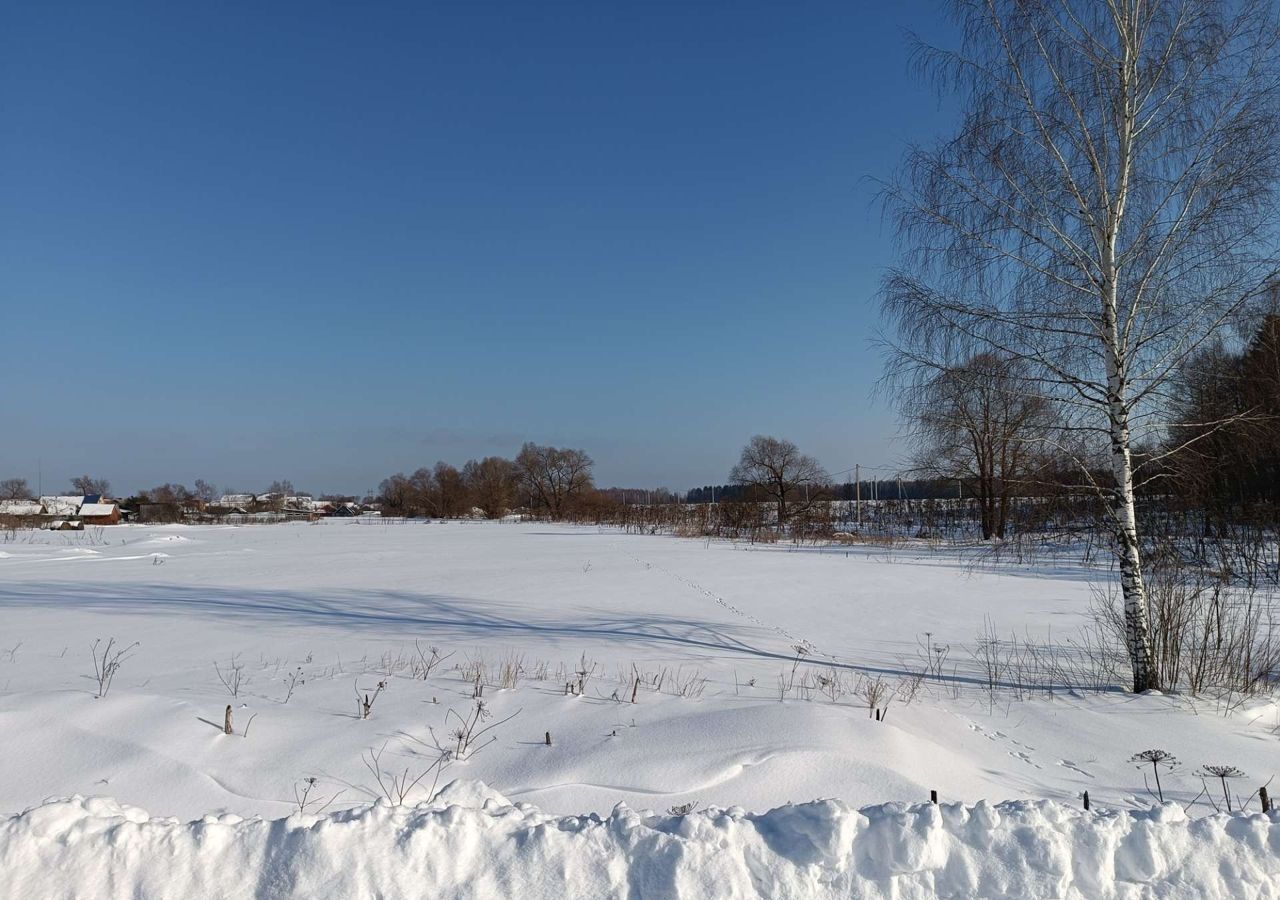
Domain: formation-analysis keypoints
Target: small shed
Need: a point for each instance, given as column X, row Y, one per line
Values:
column 100, row 513
column 20, row 513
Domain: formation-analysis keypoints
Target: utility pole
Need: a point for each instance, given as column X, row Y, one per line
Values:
column 857, row 492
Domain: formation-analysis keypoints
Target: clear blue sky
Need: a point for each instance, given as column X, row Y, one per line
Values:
column 329, row 242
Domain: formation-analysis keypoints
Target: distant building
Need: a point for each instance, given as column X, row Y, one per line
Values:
column 20, row 513
column 20, row 508
column 61, row 506
column 107, row 513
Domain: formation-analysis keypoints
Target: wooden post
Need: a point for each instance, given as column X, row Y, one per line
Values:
column 226, row 722
column 933, row 796
column 548, row 738
column 1266, row 800
column 1086, row 800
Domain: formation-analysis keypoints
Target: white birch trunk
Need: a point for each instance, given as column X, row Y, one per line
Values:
column 1121, row 502
column 1125, row 525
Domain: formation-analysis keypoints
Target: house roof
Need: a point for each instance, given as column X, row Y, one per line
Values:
column 97, row 509
column 20, row 508
column 61, row 506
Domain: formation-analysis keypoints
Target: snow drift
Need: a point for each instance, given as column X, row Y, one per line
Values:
column 472, row 842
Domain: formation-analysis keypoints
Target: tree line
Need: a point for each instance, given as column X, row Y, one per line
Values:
column 544, row 479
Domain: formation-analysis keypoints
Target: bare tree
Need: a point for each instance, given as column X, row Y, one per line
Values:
column 554, row 477
column 778, row 470
column 395, row 494
column 1238, row 463
column 491, row 484
column 14, row 489
column 204, row 491
column 1105, row 209
column 975, row 421
column 170, row 494
column 450, row 491
column 85, row 485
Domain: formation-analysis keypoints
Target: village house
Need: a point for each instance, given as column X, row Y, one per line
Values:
column 101, row 513
column 20, row 513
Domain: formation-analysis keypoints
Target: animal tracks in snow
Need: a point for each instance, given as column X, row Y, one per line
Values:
column 1068, row 764
column 999, row 737
column 1021, row 751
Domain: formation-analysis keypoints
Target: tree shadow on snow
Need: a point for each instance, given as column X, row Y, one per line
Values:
column 406, row 615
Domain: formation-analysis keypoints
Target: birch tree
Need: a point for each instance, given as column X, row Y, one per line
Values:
column 1105, row 208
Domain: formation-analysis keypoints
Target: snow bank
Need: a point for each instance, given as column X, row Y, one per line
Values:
column 474, row 843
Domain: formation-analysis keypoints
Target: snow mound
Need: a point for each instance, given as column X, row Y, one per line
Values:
column 472, row 843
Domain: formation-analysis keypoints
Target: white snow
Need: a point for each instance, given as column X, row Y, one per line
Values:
column 342, row 604
column 473, row 843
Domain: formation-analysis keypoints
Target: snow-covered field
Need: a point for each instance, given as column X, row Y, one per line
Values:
column 345, row 605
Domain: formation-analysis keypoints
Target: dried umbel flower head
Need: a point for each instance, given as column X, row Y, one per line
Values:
column 1155, row 758
column 1222, row 771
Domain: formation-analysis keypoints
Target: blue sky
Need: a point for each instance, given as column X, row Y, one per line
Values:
column 329, row 242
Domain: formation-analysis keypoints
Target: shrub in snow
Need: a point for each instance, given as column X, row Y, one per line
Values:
column 364, row 705
column 107, row 660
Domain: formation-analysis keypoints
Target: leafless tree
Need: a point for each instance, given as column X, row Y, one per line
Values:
column 450, row 491
column 395, row 494
column 554, row 477
column 423, row 497
column 1240, row 462
column 778, row 470
column 172, row 494
column 1105, row 209
column 491, row 483
column 204, row 491
column 975, row 421
column 14, row 489
column 85, row 485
